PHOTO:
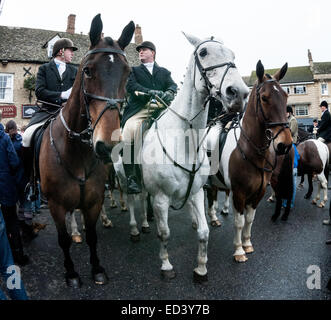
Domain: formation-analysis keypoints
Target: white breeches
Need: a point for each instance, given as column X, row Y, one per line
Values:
column 28, row 133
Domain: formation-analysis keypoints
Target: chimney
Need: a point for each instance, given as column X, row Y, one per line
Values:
column 71, row 23
column 138, row 38
column 311, row 62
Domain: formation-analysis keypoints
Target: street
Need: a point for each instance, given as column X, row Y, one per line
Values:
column 288, row 255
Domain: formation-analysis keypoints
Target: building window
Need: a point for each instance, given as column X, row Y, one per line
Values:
column 6, row 87
column 300, row 89
column 324, row 89
column 286, row 89
column 301, row 110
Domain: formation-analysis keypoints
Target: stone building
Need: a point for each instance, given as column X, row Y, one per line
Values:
column 306, row 86
column 23, row 50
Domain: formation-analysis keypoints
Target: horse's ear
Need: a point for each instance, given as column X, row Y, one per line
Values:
column 192, row 39
column 126, row 35
column 260, row 71
column 281, row 73
column 95, row 31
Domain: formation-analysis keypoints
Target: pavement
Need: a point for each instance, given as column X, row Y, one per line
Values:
column 291, row 260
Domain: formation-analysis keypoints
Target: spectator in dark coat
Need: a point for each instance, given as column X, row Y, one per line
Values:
column 324, row 128
column 9, row 164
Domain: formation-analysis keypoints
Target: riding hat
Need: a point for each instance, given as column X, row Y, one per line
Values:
column 289, row 109
column 324, row 104
column 63, row 43
column 146, row 44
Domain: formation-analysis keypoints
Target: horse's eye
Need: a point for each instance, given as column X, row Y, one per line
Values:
column 203, row 52
column 87, row 72
column 264, row 98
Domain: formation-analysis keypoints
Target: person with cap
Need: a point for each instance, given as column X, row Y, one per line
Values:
column 151, row 80
column 53, row 85
column 293, row 124
column 324, row 128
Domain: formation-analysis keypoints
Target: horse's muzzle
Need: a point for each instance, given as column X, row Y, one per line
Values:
column 103, row 151
column 282, row 148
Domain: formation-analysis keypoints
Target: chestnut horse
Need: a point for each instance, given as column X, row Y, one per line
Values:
column 244, row 166
column 80, row 139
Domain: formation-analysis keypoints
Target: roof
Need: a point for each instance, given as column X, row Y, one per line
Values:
column 28, row 45
column 293, row 75
column 322, row 67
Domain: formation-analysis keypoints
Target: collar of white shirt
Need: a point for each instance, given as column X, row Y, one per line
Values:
column 149, row 66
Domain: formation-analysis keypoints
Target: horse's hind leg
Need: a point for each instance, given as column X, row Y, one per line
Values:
column 247, row 230
column 144, row 204
column 212, row 203
column 58, row 214
column 134, row 232
column 324, row 185
column 197, row 205
column 98, row 272
column 310, row 186
column 106, row 222
column 226, row 203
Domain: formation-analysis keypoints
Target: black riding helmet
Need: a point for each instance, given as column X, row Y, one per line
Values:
column 146, row 44
column 63, row 43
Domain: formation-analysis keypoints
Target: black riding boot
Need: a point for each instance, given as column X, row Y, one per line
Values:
column 132, row 180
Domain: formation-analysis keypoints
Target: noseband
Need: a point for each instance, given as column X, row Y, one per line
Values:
column 86, row 136
column 203, row 72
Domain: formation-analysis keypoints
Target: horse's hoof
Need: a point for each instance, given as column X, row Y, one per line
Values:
column 145, row 229
column 124, row 208
column 240, row 258
column 314, row 202
column 274, row 218
column 77, row 238
column 307, row 196
column 248, row 249
column 199, row 279
column 168, row 274
column 74, row 283
column 135, row 237
column 215, row 223
column 270, row 200
column 100, row 278
column 108, row 224
column 321, row 205
column 284, row 217
column 113, row 204
column 224, row 213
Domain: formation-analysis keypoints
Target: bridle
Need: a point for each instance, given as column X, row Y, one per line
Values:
column 203, row 71
column 86, row 136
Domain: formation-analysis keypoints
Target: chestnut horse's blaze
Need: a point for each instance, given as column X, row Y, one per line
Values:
column 80, row 139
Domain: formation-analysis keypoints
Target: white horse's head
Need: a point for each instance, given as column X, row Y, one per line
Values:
column 215, row 73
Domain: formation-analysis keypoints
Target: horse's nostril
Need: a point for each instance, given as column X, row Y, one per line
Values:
column 281, row 148
column 101, row 149
column 231, row 92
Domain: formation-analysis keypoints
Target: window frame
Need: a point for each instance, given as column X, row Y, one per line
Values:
column 300, row 86
column 8, row 97
column 298, row 108
column 326, row 92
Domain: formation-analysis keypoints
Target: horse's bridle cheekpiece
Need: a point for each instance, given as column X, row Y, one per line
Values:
column 86, row 136
column 203, row 71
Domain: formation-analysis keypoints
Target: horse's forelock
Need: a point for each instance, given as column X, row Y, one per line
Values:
column 109, row 41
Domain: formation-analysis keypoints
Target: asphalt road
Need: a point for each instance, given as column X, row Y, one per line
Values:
column 284, row 252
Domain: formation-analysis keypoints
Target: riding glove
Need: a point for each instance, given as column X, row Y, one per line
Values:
column 168, row 96
column 154, row 93
column 66, row 94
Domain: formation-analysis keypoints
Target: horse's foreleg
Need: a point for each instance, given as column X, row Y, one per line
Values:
column 106, row 222
column 134, row 232
column 160, row 209
column 75, row 234
column 212, row 204
column 239, row 222
column 197, row 205
column 272, row 197
column 226, row 203
column 112, row 199
column 247, row 230
column 98, row 272
column 64, row 240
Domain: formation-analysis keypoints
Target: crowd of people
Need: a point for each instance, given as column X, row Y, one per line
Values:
column 53, row 86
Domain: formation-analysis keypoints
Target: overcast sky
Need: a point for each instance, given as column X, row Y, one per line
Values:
column 273, row 31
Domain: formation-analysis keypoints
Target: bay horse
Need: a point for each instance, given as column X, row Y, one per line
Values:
column 174, row 176
column 314, row 159
column 79, row 140
column 244, row 166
